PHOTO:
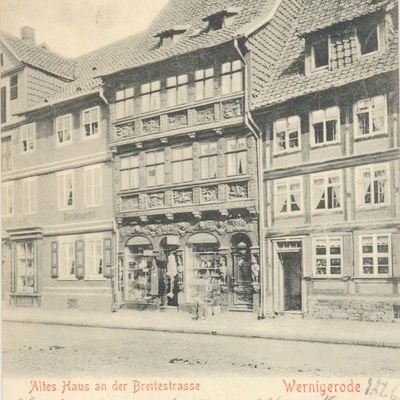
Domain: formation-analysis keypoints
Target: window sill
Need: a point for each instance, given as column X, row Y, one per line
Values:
column 316, row 70
column 67, row 279
column 325, row 144
column 360, row 138
column 288, row 216
column 285, row 153
column 326, row 211
column 91, row 137
column 95, row 278
column 328, row 277
column 373, row 207
column 374, row 278
column 25, row 294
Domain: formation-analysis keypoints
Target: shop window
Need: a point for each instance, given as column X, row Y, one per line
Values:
column 326, row 191
column 3, row 104
column 130, row 172
column 7, row 199
column 204, row 83
column 13, row 87
column 91, row 122
column 124, row 102
column 325, row 126
column 66, row 258
column 63, row 129
column 29, row 196
column 370, row 116
column 65, row 190
column 93, row 257
column 287, row 133
column 236, row 156
column 320, row 53
column 288, row 196
column 208, row 160
column 375, row 254
column 368, row 38
column 155, row 168
column 372, row 185
column 150, row 96
column 177, row 90
column 28, row 138
column 6, row 154
column 232, row 77
column 25, row 267
column 93, row 186
column 328, row 256
column 182, row 164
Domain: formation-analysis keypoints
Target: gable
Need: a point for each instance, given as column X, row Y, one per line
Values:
column 9, row 60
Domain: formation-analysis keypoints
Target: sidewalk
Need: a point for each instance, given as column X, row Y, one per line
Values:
column 228, row 324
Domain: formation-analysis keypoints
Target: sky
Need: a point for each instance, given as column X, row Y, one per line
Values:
column 74, row 27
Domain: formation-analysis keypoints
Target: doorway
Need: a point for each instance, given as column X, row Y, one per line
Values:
column 291, row 280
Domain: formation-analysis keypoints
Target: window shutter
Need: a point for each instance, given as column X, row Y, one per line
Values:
column 54, row 259
column 107, row 249
column 80, row 259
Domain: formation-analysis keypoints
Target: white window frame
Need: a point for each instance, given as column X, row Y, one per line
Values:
column 177, row 88
column 7, row 198
column 288, row 182
column 327, row 256
column 156, row 164
column 61, row 184
column 92, row 135
column 229, row 71
column 357, row 133
column 323, row 67
column 235, row 154
column 125, row 98
column 209, row 158
column 29, row 196
column 375, row 255
column 204, row 81
column 94, row 171
column 325, row 176
column 288, row 149
column 11, row 152
column 89, row 273
column 324, row 121
column 372, row 168
column 57, row 122
column 150, row 91
column 62, row 259
column 136, row 168
column 182, row 161
column 25, row 128
column 378, row 33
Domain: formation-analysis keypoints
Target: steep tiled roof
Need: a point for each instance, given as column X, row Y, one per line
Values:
column 39, row 57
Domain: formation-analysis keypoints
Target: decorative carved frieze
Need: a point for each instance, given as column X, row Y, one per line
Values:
column 205, row 114
column 177, row 120
column 151, row 125
column 232, row 109
column 183, row 196
column 130, row 203
column 122, row 131
column 209, row 194
column 155, row 200
column 238, row 190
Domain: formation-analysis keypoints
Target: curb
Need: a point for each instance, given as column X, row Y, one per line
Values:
column 223, row 333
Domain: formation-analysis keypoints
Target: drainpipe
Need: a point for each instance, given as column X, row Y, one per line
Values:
column 257, row 133
column 101, row 94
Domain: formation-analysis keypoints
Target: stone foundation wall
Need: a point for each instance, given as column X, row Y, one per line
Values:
column 361, row 309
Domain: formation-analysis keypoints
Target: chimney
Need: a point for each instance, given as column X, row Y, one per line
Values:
column 28, row 35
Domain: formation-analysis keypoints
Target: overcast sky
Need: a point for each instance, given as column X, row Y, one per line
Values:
column 75, row 27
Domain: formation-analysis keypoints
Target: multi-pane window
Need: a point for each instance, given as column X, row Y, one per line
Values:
column 93, row 186
column 6, row 154
column 325, row 126
column 208, row 160
column 65, row 190
column 177, row 90
column 129, row 172
column 231, row 77
column 155, row 168
column 328, row 256
column 287, row 133
column 28, row 138
column 124, row 102
column 288, row 196
column 326, row 191
column 375, row 254
column 13, row 87
column 368, row 38
column 25, row 267
column 93, row 256
column 370, row 116
column 182, row 164
column 320, row 53
column 66, row 258
column 7, row 199
column 236, row 156
column 63, row 129
column 3, row 104
column 29, row 196
column 372, row 184
column 150, row 96
column 91, row 122
column 204, row 82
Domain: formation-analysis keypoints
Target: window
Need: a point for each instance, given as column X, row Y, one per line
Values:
column 204, row 83
column 236, row 156
column 3, row 103
column 91, row 122
column 208, row 160
column 328, row 256
column 6, row 154
column 65, row 190
column 325, row 126
column 370, row 116
column 372, row 185
column 124, row 102
column 93, row 184
column 177, row 87
column 63, row 129
column 150, row 93
column 29, row 196
column 66, row 258
column 155, row 168
column 28, row 138
column 25, row 267
column 182, row 164
column 320, row 53
column 326, row 191
column 130, row 172
column 375, row 253
column 231, row 79
column 287, row 133
column 13, row 87
column 368, row 38
column 93, row 256
column 1, row 60
column 7, row 198
column 288, row 196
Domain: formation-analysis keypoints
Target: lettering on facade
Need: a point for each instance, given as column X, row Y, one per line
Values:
column 75, row 216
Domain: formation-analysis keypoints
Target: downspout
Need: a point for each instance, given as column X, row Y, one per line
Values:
column 101, row 94
column 257, row 133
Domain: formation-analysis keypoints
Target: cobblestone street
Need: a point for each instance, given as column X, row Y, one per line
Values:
column 33, row 350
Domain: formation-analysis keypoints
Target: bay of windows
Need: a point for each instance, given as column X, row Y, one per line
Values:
column 236, row 156
column 63, row 129
column 177, row 90
column 91, row 122
column 325, row 126
column 328, row 256
column 232, row 77
column 208, row 160
column 182, row 164
column 150, row 96
column 287, row 132
column 204, row 83
column 372, row 184
column 370, row 116
column 155, row 168
column 326, row 191
column 130, row 172
column 124, row 102
column 375, row 254
column 288, row 196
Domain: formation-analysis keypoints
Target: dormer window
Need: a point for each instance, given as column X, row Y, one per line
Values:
column 171, row 36
column 368, row 38
column 320, row 53
column 221, row 19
